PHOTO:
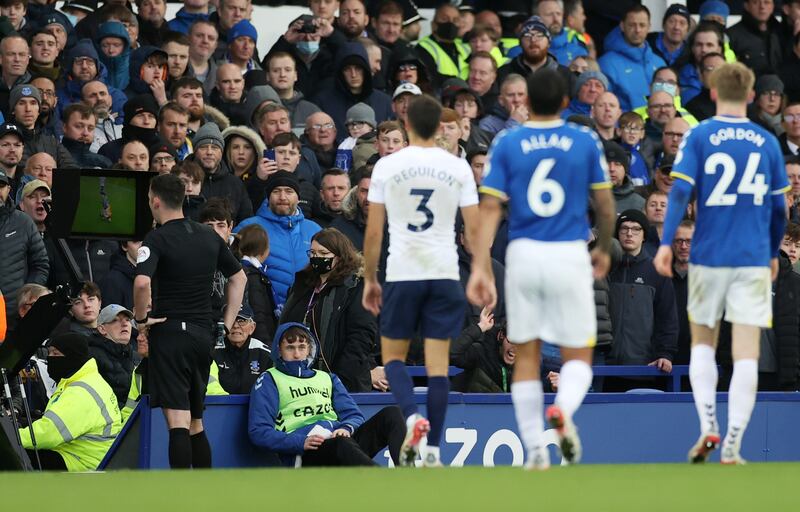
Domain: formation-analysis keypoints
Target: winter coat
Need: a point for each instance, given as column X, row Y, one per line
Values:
column 626, row 198
column 576, row 107
column 701, row 106
column 37, row 142
column 643, row 312
column 23, row 258
column 352, row 225
column 92, row 256
column 759, row 51
column 656, row 42
column 289, row 240
column 261, row 299
column 518, row 66
column 605, row 328
column 239, row 367
column 689, row 80
column 337, row 99
column 790, row 76
column 680, row 283
column 628, row 69
column 478, row 354
column 136, row 85
column 151, row 35
column 567, row 45
column 183, row 20
column 264, row 404
column 230, row 109
column 254, row 139
column 497, row 120
column 118, row 67
column 5, row 91
column 309, row 194
column 299, row 110
column 115, row 363
column 113, row 149
column 222, row 183
column 70, row 92
column 345, row 329
column 117, row 286
column 83, row 155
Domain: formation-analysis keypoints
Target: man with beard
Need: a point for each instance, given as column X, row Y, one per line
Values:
column 11, row 148
column 534, row 39
column 188, row 93
column 353, row 19
column 173, row 122
column 140, row 124
column 95, row 95
column 335, row 185
column 442, row 50
column 79, row 129
column 48, row 117
column 176, row 46
column 44, row 55
column 153, row 28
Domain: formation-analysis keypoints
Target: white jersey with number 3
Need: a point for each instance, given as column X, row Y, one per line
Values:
column 422, row 189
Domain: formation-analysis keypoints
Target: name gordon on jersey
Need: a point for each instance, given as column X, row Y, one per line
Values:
column 425, row 172
column 724, row 134
column 543, row 141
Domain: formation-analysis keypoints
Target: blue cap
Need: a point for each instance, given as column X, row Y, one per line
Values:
column 241, row 29
column 712, row 7
column 534, row 24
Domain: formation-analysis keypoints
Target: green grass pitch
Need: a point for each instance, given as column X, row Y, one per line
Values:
column 593, row 488
column 121, row 194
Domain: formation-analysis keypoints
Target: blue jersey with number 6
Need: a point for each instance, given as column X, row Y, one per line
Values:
column 736, row 168
column 546, row 170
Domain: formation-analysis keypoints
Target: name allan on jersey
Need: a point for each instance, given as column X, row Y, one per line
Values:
column 542, row 141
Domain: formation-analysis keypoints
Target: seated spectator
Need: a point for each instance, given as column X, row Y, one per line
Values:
column 228, row 94
column 766, row 109
column 320, row 135
column 27, row 297
column 629, row 135
column 92, row 423
column 707, row 37
column 176, row 46
column 533, row 53
column 135, row 157
column 24, row 103
column 192, row 177
column 281, row 69
column 566, row 43
column 353, row 84
column 401, row 99
column 477, row 162
column 173, row 126
column 702, row 106
column 188, row 15
column 226, row 16
column 148, row 74
column 153, row 28
column 109, row 124
column 660, row 110
column 625, row 196
column 405, row 66
column 450, row 133
column 244, row 151
column 665, row 79
column 481, row 38
column 242, row 39
column 605, row 114
column 117, row 286
column 756, row 38
column 655, row 209
column 110, row 347
column 141, row 118
column 31, row 202
column 219, row 181
column 671, row 139
column 466, row 102
column 483, row 78
column 44, row 56
column 588, row 87
column 512, row 106
column 188, row 93
column 243, row 358
column 335, row 185
column 681, row 247
column 85, row 310
column 487, row 363
column 360, row 121
column 79, row 131
column 114, row 47
column 662, row 180
column 789, row 70
column 272, row 120
column 203, row 37
column 288, row 230
column 163, row 157
column 670, row 43
column 790, row 140
column 791, row 242
column 332, row 282
column 392, row 137
column 254, row 246
column 642, row 303
column 12, row 146
column 355, row 209
column 40, row 166
column 49, row 121
column 342, row 437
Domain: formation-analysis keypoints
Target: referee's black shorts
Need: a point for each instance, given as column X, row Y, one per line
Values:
column 180, row 361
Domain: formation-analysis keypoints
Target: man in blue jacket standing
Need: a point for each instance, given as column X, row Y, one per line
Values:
column 629, row 62
column 307, row 416
column 289, row 232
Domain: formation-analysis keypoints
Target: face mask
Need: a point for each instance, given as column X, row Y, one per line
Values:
column 321, row 265
column 60, row 367
column 447, row 31
column 72, row 18
column 671, row 89
column 307, row 47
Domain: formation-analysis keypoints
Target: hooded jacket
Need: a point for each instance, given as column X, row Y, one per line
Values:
column 299, row 110
column 567, row 45
column 405, row 54
column 309, row 76
column 498, row 119
column 629, row 69
column 23, row 258
column 136, row 85
column 83, row 155
column 336, row 100
column 222, row 183
column 114, row 362
column 289, row 240
column 183, row 20
column 264, row 403
column 117, row 286
column 70, row 92
column 117, row 66
column 249, row 135
column 626, row 198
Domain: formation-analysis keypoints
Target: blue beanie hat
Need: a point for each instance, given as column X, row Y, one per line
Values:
column 534, row 23
column 714, row 7
column 241, row 29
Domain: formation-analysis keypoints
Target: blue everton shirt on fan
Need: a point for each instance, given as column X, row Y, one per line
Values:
column 546, row 170
column 738, row 172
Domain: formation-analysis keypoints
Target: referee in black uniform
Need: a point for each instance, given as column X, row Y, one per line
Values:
column 174, row 273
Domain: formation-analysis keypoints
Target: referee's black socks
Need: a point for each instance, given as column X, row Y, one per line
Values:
column 180, row 448
column 201, row 451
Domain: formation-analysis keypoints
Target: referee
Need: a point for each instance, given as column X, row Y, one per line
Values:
column 174, row 273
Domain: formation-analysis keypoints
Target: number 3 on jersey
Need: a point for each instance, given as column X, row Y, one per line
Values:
column 751, row 183
column 540, row 185
column 425, row 194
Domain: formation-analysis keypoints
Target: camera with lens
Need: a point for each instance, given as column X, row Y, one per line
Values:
column 308, row 24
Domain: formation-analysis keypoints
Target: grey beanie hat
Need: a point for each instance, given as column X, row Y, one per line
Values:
column 361, row 113
column 23, row 91
column 208, row 134
column 585, row 77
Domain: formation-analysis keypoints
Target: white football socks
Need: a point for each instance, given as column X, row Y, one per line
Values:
column 573, row 383
column 528, row 399
column 741, row 399
column 703, row 375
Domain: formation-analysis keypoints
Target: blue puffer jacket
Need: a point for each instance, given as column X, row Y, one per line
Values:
column 689, row 80
column 139, row 56
column 70, row 92
column 629, row 70
column 183, row 20
column 117, row 66
column 264, row 402
column 289, row 240
column 567, row 45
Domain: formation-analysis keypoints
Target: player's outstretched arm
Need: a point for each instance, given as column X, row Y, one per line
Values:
column 234, row 294
column 480, row 228
column 373, row 240
column 605, row 216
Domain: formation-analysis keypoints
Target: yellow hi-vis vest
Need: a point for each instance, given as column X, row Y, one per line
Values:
column 80, row 422
column 303, row 401
column 498, row 56
column 444, row 64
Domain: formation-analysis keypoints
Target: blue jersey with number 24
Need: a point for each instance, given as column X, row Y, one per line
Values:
column 736, row 168
column 546, row 170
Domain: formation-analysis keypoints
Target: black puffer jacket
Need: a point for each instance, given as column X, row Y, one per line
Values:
column 261, row 300
column 222, row 183
column 759, row 51
column 38, row 142
column 114, row 362
column 23, row 258
column 92, row 256
column 345, row 330
column 117, row 287
column 83, row 156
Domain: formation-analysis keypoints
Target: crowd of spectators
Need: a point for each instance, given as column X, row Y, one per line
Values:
column 276, row 154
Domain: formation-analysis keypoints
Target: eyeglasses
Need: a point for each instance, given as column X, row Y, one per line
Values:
column 47, row 93
column 242, row 321
column 533, row 36
column 355, row 124
column 683, row 241
column 313, row 254
column 772, row 94
column 790, row 118
column 673, row 135
column 83, row 60
column 163, row 159
column 632, row 129
column 318, row 127
column 8, row 145
column 634, row 230
column 407, row 67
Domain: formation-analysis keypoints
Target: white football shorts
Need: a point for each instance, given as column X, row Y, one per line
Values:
column 743, row 293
